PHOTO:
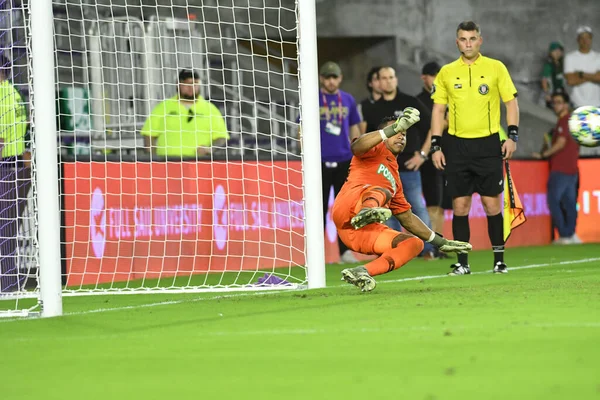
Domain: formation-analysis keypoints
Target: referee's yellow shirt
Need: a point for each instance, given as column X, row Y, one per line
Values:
column 473, row 93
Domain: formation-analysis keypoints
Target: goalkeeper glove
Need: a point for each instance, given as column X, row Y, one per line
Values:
column 410, row 116
column 450, row 246
column 456, row 246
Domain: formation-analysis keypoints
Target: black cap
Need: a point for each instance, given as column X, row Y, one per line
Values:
column 187, row 74
column 431, row 68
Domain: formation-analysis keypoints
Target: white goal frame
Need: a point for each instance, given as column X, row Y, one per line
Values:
column 44, row 116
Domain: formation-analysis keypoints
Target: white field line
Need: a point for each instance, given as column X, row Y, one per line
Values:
column 302, row 332
column 352, row 331
column 556, row 264
column 221, row 297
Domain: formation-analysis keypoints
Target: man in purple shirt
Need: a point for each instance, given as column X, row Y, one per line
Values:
column 340, row 121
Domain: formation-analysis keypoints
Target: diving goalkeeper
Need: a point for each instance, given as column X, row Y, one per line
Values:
column 372, row 194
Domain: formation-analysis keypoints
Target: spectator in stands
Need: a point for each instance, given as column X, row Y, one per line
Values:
column 186, row 125
column 563, row 154
column 374, row 94
column 340, row 121
column 582, row 71
column 415, row 153
column 553, row 79
column 15, row 178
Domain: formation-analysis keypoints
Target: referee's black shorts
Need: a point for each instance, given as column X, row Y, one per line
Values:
column 473, row 166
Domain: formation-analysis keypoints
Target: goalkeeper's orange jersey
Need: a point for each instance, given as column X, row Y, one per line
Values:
column 376, row 168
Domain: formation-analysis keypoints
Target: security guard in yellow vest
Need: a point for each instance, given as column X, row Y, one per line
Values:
column 185, row 125
column 472, row 155
column 15, row 177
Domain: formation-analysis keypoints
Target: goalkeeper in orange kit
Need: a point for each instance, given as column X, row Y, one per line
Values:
column 371, row 195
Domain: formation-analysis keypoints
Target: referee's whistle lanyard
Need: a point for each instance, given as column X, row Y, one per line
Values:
column 329, row 112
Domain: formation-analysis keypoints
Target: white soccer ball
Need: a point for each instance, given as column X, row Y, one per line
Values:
column 584, row 125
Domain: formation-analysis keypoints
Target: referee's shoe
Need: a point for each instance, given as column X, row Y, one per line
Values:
column 460, row 269
column 500, row 268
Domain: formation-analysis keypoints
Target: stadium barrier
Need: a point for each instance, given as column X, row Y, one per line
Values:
column 150, row 218
column 530, row 178
column 130, row 220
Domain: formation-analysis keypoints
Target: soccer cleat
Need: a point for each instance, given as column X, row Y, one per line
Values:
column 459, row 269
column 368, row 216
column 500, row 268
column 359, row 277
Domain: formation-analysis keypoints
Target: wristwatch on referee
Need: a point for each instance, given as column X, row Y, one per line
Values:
column 423, row 155
column 513, row 133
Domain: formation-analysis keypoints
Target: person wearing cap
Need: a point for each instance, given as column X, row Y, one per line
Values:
column 472, row 154
column 340, row 121
column 582, row 71
column 432, row 179
column 185, row 125
column 15, row 178
column 366, row 106
column 553, row 79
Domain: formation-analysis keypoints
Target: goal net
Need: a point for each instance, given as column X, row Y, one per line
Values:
column 19, row 258
column 180, row 162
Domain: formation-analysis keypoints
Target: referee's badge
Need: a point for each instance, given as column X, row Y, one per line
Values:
column 484, row 89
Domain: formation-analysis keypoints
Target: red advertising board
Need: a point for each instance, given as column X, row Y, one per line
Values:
column 588, row 218
column 530, row 180
column 128, row 221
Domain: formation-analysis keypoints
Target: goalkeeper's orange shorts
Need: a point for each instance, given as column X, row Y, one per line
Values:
column 370, row 239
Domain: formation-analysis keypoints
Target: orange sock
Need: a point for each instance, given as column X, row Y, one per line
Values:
column 395, row 258
column 376, row 197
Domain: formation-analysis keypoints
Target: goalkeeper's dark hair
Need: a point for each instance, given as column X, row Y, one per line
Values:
column 385, row 121
column 372, row 71
column 468, row 26
column 561, row 93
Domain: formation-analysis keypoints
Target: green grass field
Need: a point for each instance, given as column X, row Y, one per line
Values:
column 531, row 334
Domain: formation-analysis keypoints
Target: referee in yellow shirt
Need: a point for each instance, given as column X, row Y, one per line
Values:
column 14, row 177
column 471, row 89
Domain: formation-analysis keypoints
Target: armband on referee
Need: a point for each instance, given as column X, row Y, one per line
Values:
column 436, row 144
column 513, row 133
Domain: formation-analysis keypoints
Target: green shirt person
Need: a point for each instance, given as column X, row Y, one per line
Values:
column 553, row 79
column 185, row 125
column 13, row 121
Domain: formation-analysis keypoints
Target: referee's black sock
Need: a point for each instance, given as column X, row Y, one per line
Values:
column 496, row 233
column 461, row 231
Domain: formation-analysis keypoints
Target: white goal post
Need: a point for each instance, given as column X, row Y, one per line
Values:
column 176, row 126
